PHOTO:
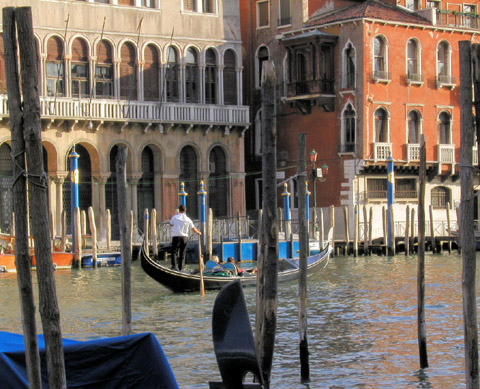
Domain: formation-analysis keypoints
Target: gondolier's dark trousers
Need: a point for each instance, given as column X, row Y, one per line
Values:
column 179, row 243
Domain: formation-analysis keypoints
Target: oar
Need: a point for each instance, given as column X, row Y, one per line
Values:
column 200, row 261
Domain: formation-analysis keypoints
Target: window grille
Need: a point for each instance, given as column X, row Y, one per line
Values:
column 440, row 196
column 377, row 188
column 188, row 175
column 217, row 183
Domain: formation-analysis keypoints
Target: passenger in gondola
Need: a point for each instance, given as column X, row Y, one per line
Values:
column 238, row 269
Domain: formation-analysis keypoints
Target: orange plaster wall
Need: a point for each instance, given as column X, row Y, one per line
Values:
column 429, row 100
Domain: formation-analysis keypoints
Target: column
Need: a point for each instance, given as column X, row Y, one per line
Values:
column 140, row 68
column 101, row 181
column 181, row 83
column 133, row 180
column 220, row 88
column 239, row 85
column 59, row 180
column 116, row 65
column 201, row 81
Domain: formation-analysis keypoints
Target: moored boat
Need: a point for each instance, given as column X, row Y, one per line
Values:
column 60, row 260
column 103, row 259
column 179, row 281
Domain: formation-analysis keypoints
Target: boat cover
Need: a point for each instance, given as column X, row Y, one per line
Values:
column 132, row 361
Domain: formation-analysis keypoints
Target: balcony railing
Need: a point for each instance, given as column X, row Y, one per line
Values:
column 444, row 80
column 457, row 19
column 310, row 87
column 139, row 111
column 413, row 152
column 382, row 151
column 381, row 76
column 413, row 78
column 446, row 153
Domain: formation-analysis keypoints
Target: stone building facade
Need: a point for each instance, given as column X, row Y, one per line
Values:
column 163, row 77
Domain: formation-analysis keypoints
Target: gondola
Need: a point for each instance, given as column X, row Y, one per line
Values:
column 180, row 282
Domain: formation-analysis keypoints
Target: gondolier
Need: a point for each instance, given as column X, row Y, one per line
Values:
column 181, row 225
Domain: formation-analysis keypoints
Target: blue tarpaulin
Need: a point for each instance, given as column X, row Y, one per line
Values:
column 133, row 361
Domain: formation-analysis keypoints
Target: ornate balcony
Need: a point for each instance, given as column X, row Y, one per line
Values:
column 148, row 113
column 413, row 152
column 381, row 151
column 446, row 153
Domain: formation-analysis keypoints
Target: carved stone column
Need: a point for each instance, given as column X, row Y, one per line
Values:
column 133, row 180
column 101, row 181
column 59, row 180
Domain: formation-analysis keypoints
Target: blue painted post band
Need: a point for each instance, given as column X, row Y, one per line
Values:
column 307, row 206
column 74, row 178
column 182, row 195
column 390, row 195
column 286, row 202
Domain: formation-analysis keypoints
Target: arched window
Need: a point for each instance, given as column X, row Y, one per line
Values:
column 85, row 183
column 128, row 72
column 80, row 69
column 188, row 175
column 443, row 63
column 230, row 78
column 444, row 129
column 54, row 67
column 381, row 125
column 191, row 76
column 301, row 85
column 104, row 70
column 440, row 197
column 262, row 57
column 217, row 182
column 348, row 141
column 145, row 188
column 151, row 74
column 413, row 121
column 171, row 75
column 3, row 78
column 349, row 63
column 413, row 61
column 210, row 77
column 380, row 58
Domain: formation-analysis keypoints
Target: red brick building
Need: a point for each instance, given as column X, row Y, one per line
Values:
column 363, row 79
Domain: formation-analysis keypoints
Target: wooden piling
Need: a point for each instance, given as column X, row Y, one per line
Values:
column 449, row 228
column 93, row 231
column 321, row 228
column 78, row 239
column 385, row 230
column 332, row 225
column 121, row 170
column 355, row 235
column 83, row 227
column 209, row 235
column 466, row 204
column 407, row 230
column 146, row 228
column 20, row 205
column 421, row 326
column 347, row 233
column 51, row 224
column 108, row 224
column 370, row 227
column 392, row 229
column 153, row 229
column 432, row 229
column 412, row 229
column 63, row 241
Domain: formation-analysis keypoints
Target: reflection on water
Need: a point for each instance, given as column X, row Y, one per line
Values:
column 362, row 329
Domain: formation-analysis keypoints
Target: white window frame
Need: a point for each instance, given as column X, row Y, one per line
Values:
column 280, row 14
column 345, row 65
column 343, row 129
column 259, row 3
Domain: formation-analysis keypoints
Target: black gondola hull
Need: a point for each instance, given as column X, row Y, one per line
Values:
column 185, row 282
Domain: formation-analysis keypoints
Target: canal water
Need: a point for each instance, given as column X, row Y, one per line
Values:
column 362, row 329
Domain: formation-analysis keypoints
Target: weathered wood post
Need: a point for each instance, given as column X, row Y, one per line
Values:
column 365, row 231
column 466, row 222
column 123, row 221
column 421, row 328
column 412, row 230
column 48, row 304
column 19, row 189
column 449, row 228
column 303, row 246
column 146, row 228
column 153, row 228
column 407, row 229
column 332, row 225
column 432, row 229
column 355, row 231
column 370, row 227
column 321, row 228
column 93, row 230
column 77, row 239
column 108, row 222
column 267, row 282
column 385, row 230
column 347, row 232
column 83, row 228
column 209, row 234
column 51, row 224
column 392, row 230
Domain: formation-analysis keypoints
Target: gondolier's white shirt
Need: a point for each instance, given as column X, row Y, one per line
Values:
column 181, row 224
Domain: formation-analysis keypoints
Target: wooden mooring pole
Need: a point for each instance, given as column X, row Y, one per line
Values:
column 467, row 226
column 19, row 189
column 421, row 328
column 303, row 246
column 268, row 279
